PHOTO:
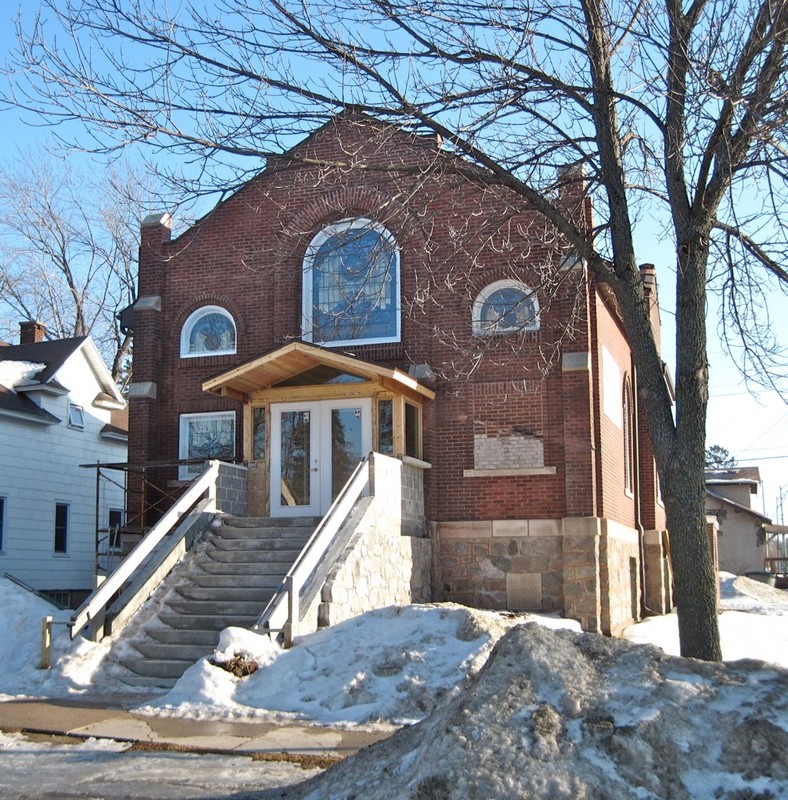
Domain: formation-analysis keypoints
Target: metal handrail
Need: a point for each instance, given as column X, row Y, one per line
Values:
column 95, row 605
column 283, row 610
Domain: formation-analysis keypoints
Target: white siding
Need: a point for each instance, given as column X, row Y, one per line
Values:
column 39, row 467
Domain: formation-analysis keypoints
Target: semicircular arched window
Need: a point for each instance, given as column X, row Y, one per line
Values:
column 208, row 331
column 505, row 306
column 351, row 285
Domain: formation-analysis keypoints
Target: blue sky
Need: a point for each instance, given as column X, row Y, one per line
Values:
column 751, row 423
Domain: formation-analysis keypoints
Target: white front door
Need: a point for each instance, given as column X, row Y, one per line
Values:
column 315, row 447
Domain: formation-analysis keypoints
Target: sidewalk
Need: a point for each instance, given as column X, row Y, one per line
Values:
column 105, row 718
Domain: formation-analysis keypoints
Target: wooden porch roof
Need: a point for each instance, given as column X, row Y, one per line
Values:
column 295, row 358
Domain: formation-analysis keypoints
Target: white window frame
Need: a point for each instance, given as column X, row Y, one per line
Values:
column 193, row 319
column 187, row 472
column 76, row 417
column 308, row 289
column 479, row 329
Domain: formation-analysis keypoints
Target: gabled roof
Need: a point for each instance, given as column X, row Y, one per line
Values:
column 296, row 358
column 53, row 355
column 737, row 506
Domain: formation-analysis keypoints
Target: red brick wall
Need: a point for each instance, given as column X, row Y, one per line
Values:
column 456, row 236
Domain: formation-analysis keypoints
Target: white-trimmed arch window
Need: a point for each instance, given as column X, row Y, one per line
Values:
column 208, row 331
column 505, row 306
column 352, row 285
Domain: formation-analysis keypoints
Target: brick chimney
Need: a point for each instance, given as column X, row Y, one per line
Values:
column 31, row 332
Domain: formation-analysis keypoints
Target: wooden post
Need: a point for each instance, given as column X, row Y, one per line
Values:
column 46, row 643
column 293, row 612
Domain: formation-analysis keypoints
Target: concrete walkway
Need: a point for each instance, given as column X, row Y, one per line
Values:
column 107, row 718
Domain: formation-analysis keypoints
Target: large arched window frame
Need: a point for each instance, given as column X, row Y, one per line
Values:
column 208, row 331
column 351, row 289
column 504, row 307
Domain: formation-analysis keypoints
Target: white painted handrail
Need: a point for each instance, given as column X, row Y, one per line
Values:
column 95, row 606
column 282, row 612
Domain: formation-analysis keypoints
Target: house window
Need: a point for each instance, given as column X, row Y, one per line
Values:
column 412, row 431
column 258, row 434
column 505, row 307
column 351, row 285
column 76, row 416
column 61, row 527
column 114, row 524
column 2, row 521
column 209, row 331
column 205, row 436
column 629, row 441
column 386, row 427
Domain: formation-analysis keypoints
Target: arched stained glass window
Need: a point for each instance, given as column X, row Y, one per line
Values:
column 209, row 331
column 351, row 285
column 505, row 307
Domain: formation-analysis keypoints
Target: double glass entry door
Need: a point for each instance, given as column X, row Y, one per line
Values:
column 314, row 449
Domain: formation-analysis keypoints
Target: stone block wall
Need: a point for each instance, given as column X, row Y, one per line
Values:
column 231, row 496
column 582, row 563
column 620, row 577
column 504, row 564
column 380, row 567
column 659, row 577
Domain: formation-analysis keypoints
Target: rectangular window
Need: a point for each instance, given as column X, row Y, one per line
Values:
column 76, row 416
column 386, row 427
column 258, row 434
column 205, row 436
column 114, row 524
column 2, row 521
column 61, row 528
column 412, row 431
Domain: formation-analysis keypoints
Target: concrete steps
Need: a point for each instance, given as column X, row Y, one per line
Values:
column 226, row 582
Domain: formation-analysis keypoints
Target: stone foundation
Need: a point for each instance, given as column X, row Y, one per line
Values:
column 514, row 564
column 659, row 577
column 585, row 567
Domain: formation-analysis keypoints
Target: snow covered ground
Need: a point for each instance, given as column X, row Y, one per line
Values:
column 554, row 712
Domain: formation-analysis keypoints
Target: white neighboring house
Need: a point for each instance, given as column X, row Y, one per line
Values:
column 59, row 408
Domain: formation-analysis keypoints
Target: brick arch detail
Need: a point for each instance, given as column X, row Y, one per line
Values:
column 340, row 203
column 206, row 299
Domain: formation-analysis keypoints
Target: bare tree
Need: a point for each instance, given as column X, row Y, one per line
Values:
column 671, row 109
column 68, row 251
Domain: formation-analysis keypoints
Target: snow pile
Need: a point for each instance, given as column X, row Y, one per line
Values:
column 753, row 623
column 389, row 666
column 77, row 666
column 15, row 372
column 565, row 715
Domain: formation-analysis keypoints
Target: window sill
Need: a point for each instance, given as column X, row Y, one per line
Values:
column 507, row 473
column 415, row 462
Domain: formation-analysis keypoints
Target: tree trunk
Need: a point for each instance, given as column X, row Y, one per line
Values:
column 693, row 569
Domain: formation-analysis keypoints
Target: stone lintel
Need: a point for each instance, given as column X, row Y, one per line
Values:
column 507, row 473
column 582, row 526
column 465, row 529
column 151, row 302
column 513, row 528
column 576, row 362
column 143, row 390
column 653, row 537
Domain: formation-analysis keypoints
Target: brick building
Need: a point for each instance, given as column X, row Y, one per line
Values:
column 412, row 307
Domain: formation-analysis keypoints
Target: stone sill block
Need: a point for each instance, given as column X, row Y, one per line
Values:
column 507, row 473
